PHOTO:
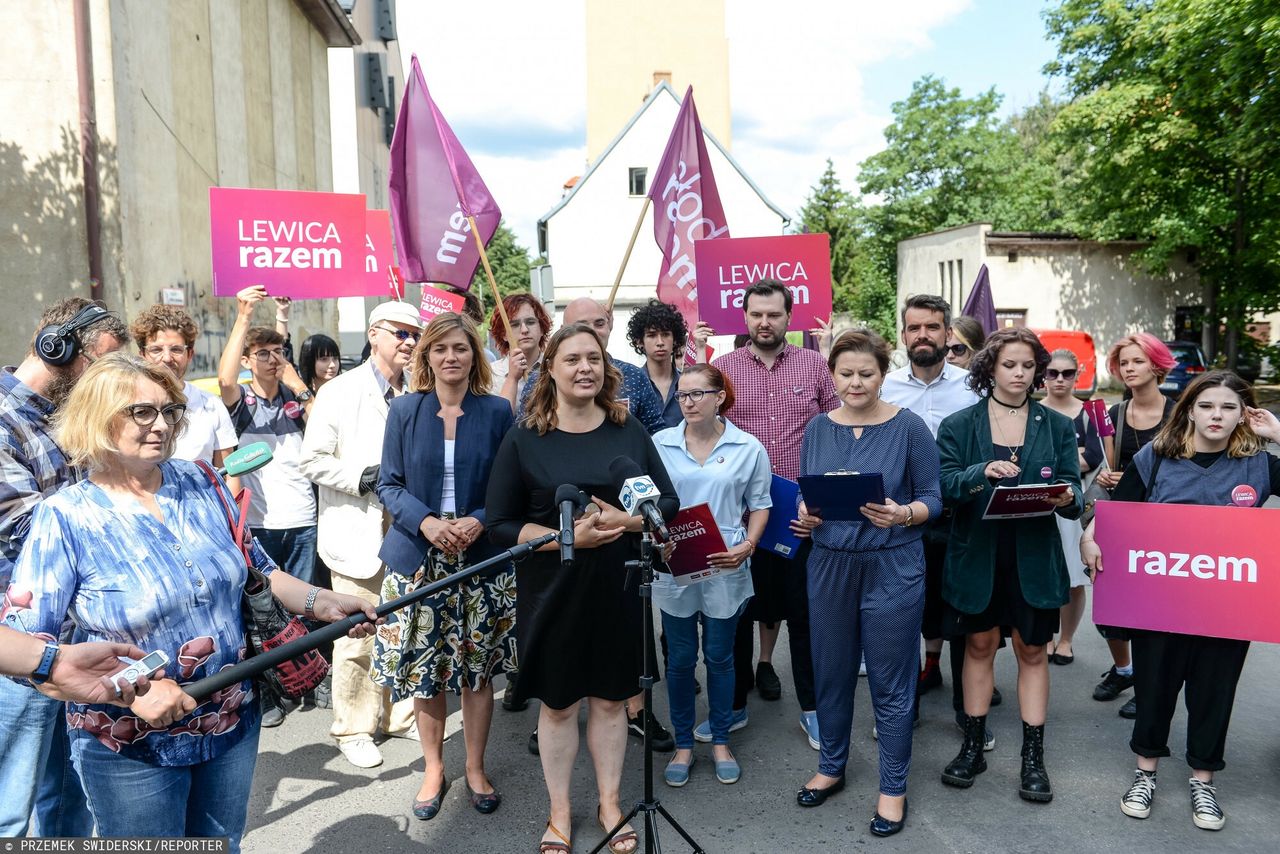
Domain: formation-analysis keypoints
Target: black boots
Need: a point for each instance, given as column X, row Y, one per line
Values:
column 1035, row 780
column 970, row 762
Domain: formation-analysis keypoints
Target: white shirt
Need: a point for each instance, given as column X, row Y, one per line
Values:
column 209, row 427
column 449, row 484
column 933, row 402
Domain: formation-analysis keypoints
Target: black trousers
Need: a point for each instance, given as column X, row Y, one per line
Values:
column 935, row 558
column 785, row 582
column 1207, row 671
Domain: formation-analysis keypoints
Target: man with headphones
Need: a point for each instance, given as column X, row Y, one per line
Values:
column 33, row 738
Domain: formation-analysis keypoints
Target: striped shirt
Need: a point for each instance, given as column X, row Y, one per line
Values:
column 32, row 466
column 774, row 404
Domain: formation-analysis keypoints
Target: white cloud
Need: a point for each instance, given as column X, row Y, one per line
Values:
column 510, row 78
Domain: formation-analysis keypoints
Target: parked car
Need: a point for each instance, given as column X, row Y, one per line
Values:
column 1191, row 363
column 1080, row 343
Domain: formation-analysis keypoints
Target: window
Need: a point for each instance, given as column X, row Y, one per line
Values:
column 1007, row 317
column 636, row 180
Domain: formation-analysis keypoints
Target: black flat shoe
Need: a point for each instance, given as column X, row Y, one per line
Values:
column 1058, row 658
column 881, row 826
column 486, row 803
column 807, row 797
column 429, row 809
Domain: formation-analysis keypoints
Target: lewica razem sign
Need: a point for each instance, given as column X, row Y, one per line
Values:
column 729, row 265
column 297, row 244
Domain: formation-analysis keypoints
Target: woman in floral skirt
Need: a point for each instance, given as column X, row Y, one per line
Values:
column 439, row 447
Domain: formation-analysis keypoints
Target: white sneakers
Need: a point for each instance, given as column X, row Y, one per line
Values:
column 361, row 751
column 411, row 733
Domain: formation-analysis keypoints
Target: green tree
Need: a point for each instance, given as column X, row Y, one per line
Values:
column 510, row 263
column 830, row 209
column 1175, row 120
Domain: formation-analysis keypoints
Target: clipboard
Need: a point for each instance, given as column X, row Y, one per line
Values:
column 839, row 495
column 777, row 536
column 1023, row 501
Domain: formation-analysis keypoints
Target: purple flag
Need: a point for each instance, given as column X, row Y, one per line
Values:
column 980, row 306
column 434, row 188
column 686, row 207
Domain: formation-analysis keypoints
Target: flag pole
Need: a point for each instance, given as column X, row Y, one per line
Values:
column 635, row 232
column 493, row 284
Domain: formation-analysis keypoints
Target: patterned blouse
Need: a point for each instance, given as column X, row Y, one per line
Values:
column 123, row 576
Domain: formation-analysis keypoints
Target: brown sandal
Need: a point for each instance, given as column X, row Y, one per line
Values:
column 549, row 846
column 618, row 842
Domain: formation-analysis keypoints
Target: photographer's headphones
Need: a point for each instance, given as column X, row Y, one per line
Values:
column 58, row 345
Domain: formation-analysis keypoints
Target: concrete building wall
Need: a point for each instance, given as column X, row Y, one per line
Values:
column 586, row 238
column 628, row 43
column 1060, row 284
column 189, row 93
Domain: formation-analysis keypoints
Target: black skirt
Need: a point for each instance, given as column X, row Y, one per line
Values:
column 1008, row 609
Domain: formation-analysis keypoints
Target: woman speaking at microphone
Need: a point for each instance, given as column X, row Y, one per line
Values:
column 1211, row 451
column 578, row 631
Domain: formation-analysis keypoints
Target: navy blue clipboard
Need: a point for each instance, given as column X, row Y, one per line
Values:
column 839, row 497
column 777, row 536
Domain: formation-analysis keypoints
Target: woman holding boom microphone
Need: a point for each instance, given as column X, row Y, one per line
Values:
column 578, row 630
column 1211, row 451
column 438, row 448
column 141, row 552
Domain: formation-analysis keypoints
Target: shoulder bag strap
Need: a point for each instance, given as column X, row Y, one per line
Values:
column 237, row 525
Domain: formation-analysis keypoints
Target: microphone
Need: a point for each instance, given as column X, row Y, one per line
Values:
column 569, row 499
column 247, row 459
column 638, row 494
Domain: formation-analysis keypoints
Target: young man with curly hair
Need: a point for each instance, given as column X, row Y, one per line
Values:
column 657, row 332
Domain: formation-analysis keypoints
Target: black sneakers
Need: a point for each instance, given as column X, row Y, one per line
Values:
column 658, row 735
column 1205, row 811
column 1112, row 685
column 1136, row 802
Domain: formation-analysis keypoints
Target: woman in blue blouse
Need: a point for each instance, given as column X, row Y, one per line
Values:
column 436, row 455
column 710, row 460
column 141, row 553
column 866, row 578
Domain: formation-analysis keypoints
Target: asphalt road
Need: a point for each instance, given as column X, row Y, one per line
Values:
column 306, row 797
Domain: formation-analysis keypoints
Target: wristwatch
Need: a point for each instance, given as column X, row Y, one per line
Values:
column 41, row 674
column 304, row 395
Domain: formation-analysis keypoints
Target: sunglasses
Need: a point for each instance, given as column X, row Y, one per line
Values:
column 1054, row 373
column 958, row 349
column 401, row 335
column 144, row 414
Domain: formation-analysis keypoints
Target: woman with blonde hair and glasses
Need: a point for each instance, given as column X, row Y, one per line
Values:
column 141, row 552
column 436, row 455
column 1211, row 451
column 579, row 631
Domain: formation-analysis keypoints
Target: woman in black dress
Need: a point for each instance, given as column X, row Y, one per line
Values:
column 578, row 631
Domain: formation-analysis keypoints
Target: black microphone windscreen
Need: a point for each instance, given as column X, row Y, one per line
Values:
column 568, row 492
column 622, row 468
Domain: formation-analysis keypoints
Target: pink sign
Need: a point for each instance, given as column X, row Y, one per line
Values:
column 438, row 301
column 1189, row 569
column 379, row 255
column 727, row 266
column 298, row 244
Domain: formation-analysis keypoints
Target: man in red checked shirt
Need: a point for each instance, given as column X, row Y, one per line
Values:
column 778, row 388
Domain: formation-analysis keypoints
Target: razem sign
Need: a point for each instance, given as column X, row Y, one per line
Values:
column 1189, row 569
column 297, row 244
column 729, row 265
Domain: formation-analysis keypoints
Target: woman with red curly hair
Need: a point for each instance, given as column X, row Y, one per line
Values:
column 530, row 326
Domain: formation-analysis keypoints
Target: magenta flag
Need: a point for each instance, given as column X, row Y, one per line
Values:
column 434, row 188
column 686, row 207
column 980, row 305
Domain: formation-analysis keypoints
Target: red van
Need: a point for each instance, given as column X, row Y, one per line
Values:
column 1080, row 343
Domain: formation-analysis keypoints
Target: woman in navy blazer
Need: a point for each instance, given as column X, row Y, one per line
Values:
column 439, row 447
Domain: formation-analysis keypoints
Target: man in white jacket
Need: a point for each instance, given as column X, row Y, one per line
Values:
column 341, row 453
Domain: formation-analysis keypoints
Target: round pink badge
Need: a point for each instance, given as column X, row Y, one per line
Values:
column 1244, row 495
column 250, row 400
column 292, row 409
column 1046, row 472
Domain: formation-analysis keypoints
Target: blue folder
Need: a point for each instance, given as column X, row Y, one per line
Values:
column 777, row 536
column 838, row 497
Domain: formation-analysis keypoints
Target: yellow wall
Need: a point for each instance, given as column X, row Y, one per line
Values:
column 627, row 42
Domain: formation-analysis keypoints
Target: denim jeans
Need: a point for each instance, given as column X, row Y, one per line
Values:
column 28, row 725
column 293, row 549
column 61, row 807
column 682, row 657
column 129, row 797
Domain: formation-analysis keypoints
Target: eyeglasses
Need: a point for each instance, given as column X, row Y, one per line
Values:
column 159, row 352
column 268, row 355
column 144, row 414
column 694, row 396
column 958, row 349
column 1054, row 373
column 401, row 335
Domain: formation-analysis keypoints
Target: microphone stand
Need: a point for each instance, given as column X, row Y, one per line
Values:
column 649, row 804
column 270, row 658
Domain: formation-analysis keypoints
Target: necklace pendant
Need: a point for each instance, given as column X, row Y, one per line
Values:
column 1013, row 457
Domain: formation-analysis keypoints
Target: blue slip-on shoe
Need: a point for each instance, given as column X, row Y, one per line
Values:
column 728, row 771
column 809, row 723
column 702, row 732
column 676, row 774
